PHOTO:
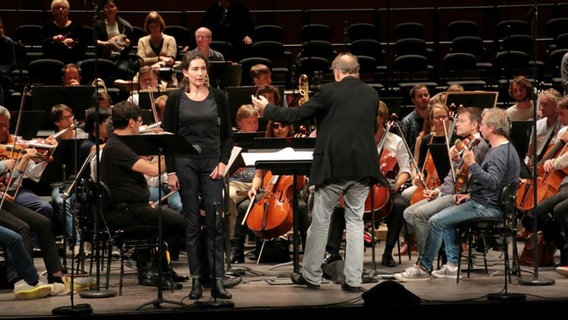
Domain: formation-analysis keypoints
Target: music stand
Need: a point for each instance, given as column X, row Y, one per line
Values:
column 294, row 168
column 159, row 144
column 223, row 74
column 479, row 99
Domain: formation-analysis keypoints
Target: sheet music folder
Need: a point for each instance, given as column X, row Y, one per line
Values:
column 479, row 99
column 153, row 144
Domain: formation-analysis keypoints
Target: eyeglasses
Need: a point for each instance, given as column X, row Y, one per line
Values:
column 66, row 117
column 278, row 125
column 440, row 118
column 4, row 126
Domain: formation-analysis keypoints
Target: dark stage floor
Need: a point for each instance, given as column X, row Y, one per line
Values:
column 266, row 291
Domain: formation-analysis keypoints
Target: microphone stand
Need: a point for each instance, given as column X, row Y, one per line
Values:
column 535, row 281
column 97, row 293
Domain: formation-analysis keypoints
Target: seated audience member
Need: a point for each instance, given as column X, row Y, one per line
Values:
column 62, row 38
column 7, row 62
column 112, row 38
column 203, row 38
column 71, row 75
column 156, row 49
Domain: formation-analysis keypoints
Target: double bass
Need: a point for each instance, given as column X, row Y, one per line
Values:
column 547, row 183
column 273, row 214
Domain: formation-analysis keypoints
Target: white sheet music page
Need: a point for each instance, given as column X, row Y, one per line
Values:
column 234, row 154
column 250, row 158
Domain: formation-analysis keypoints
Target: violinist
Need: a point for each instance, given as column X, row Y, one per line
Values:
column 552, row 212
column 500, row 167
column 27, row 167
column 425, row 173
column 436, row 199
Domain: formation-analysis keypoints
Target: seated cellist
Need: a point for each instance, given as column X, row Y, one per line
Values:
column 552, row 211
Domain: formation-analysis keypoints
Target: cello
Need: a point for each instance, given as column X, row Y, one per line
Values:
column 273, row 215
column 547, row 183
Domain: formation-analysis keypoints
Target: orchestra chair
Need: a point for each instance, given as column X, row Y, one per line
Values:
column 124, row 238
column 361, row 30
column 45, row 71
column 460, row 28
column 315, row 31
column 271, row 32
column 226, row 48
column 405, row 30
column 485, row 233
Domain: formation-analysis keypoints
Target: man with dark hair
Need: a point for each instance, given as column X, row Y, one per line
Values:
column 122, row 170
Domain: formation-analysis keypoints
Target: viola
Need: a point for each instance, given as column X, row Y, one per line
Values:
column 273, row 215
column 547, row 183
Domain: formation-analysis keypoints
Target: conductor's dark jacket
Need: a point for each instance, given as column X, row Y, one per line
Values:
column 346, row 115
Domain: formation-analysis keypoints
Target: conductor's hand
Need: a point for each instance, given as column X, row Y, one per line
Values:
column 259, row 102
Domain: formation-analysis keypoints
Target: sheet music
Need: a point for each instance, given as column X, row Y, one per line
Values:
column 250, row 158
column 234, row 154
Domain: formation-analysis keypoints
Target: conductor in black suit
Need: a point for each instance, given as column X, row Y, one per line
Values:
column 345, row 161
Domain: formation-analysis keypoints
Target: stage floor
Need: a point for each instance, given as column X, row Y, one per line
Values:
column 267, row 288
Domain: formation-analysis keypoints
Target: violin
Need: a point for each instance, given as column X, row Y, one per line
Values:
column 273, row 215
column 547, row 183
column 15, row 149
column 462, row 172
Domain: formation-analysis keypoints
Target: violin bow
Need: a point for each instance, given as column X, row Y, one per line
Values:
column 399, row 130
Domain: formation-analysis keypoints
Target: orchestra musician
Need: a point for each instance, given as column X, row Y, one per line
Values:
column 122, row 170
column 64, row 121
column 436, row 126
column 23, row 220
column 436, row 199
column 258, row 186
column 500, row 167
column 552, row 211
column 547, row 128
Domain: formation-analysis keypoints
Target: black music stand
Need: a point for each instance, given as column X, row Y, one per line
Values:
column 159, row 144
column 295, row 168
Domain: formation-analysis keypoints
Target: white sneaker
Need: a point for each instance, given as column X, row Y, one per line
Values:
column 57, row 288
column 562, row 270
column 412, row 274
column 445, row 273
column 23, row 290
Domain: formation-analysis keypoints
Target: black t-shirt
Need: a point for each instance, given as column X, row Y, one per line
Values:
column 125, row 184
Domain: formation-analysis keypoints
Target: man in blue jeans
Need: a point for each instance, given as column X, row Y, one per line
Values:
column 500, row 167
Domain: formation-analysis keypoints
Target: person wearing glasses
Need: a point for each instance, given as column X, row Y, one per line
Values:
column 203, row 38
column 122, row 170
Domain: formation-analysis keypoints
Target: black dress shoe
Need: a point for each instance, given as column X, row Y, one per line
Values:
column 218, row 290
column 388, row 261
column 237, row 256
column 348, row 288
column 331, row 257
column 297, row 278
column 196, row 289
